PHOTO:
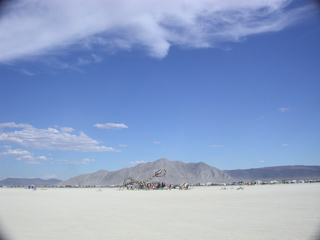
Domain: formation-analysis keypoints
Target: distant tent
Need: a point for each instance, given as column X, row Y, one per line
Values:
column 32, row 186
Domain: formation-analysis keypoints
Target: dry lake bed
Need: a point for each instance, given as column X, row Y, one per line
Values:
column 290, row 211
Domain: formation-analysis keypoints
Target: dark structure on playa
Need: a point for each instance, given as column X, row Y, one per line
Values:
column 147, row 184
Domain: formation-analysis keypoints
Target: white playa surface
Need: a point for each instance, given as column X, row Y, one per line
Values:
column 257, row 212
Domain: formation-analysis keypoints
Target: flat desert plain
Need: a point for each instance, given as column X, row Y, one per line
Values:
column 258, row 212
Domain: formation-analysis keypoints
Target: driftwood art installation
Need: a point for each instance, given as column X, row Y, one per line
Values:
column 131, row 183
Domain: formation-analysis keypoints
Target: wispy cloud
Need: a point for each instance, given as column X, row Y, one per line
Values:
column 86, row 60
column 20, row 155
column 122, row 145
column 33, row 162
column 136, row 162
column 23, row 155
column 87, row 160
column 62, row 161
column 16, row 152
column 285, row 145
column 6, row 146
column 50, row 139
column 283, row 109
column 110, row 126
column 35, row 28
column 156, row 142
column 66, row 129
column 96, row 58
column 216, row 146
column 83, row 161
column 52, row 175
column 14, row 125
column 26, row 72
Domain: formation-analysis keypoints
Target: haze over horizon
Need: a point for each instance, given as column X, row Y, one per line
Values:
column 107, row 85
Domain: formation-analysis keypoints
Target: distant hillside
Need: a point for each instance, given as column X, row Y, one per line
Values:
column 28, row 181
column 177, row 172
column 86, row 179
column 276, row 173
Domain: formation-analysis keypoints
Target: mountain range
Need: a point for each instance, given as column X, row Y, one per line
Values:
column 276, row 173
column 177, row 172
column 28, row 181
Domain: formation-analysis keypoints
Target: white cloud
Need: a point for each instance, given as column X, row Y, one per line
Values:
column 87, row 160
column 62, row 160
column 156, row 142
column 283, row 109
column 122, row 145
column 49, row 176
column 83, row 161
column 51, row 139
column 23, row 155
column 74, row 163
column 6, row 146
column 26, row 158
column 216, row 146
column 110, row 126
column 136, row 162
column 26, row 72
column 96, row 58
column 262, row 161
column 37, row 27
column 33, row 162
column 16, row 152
column 66, row 129
column 86, row 60
column 14, row 125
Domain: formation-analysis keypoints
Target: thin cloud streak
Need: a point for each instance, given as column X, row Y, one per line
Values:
column 14, row 125
column 50, row 176
column 136, row 162
column 83, row 161
column 216, row 146
column 110, row 125
column 33, row 163
column 34, row 28
column 283, row 109
column 26, row 72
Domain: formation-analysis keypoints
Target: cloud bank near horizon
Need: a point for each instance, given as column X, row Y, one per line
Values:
column 35, row 28
column 50, row 139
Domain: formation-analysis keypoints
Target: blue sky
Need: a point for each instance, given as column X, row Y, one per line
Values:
column 234, row 84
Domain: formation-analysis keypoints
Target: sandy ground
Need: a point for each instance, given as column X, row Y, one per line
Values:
column 257, row 212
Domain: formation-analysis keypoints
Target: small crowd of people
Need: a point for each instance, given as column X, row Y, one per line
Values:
column 157, row 185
